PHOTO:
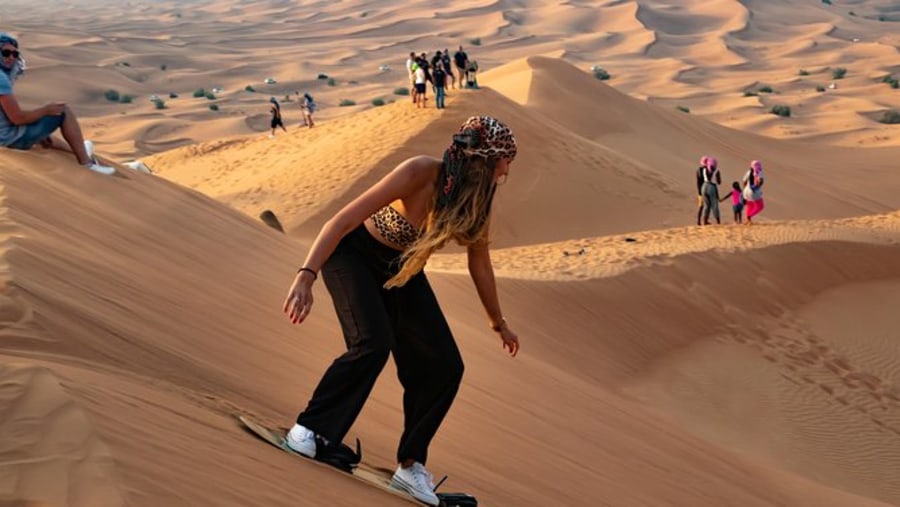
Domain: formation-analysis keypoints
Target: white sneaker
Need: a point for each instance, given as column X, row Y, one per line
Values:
column 102, row 169
column 301, row 440
column 416, row 481
column 89, row 148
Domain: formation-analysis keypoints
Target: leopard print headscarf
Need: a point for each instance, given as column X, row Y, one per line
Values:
column 485, row 136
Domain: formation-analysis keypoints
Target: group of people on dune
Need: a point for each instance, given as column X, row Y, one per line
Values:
column 746, row 194
column 438, row 70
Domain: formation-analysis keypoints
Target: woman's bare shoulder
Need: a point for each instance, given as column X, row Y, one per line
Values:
column 420, row 166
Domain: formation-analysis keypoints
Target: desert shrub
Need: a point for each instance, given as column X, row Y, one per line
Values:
column 159, row 103
column 210, row 95
column 125, row 64
column 781, row 110
column 199, row 92
column 332, row 82
column 163, row 67
column 683, row 109
column 891, row 117
column 322, row 76
column 839, row 73
column 882, row 17
column 347, row 102
column 401, row 91
column 894, row 83
column 249, row 88
column 111, row 95
column 804, row 72
column 378, row 102
column 852, row 13
column 820, row 88
column 213, row 107
column 826, row 2
column 364, row 14
column 765, row 89
column 126, row 99
column 476, row 41
column 601, row 74
column 750, row 93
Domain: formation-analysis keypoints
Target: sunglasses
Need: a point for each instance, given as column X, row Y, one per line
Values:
column 9, row 52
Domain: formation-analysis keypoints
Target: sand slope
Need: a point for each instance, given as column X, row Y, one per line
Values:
column 135, row 313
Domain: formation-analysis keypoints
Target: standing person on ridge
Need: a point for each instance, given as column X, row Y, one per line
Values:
column 371, row 255
column 712, row 178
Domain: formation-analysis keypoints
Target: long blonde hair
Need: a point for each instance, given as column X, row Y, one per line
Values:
column 460, row 207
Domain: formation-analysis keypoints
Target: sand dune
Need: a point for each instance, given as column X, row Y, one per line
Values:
column 702, row 55
column 662, row 363
column 129, row 332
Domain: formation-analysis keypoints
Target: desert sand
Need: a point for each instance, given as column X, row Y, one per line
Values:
column 662, row 363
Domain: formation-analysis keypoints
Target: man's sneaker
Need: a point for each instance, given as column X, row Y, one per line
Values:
column 416, row 481
column 301, row 440
column 94, row 165
column 102, row 169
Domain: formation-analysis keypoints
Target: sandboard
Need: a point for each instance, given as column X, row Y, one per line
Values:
column 362, row 472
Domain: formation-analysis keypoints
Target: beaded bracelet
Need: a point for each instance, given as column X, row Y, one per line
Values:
column 310, row 271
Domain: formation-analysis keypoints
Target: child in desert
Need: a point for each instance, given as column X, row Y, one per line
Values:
column 737, row 202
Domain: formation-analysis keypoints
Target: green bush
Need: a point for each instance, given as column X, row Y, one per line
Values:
column 210, row 96
column 882, row 17
column 804, row 72
column 476, row 41
column 820, row 88
column 401, row 91
column 826, row 2
column 159, row 103
column 601, row 74
column 765, row 89
column 249, row 88
column 322, row 76
column 111, row 95
column 163, row 67
column 750, row 93
column 894, row 83
column 784, row 111
column 213, row 107
column 332, row 82
column 378, row 102
column 347, row 102
column 839, row 73
column 683, row 109
column 199, row 92
column 891, row 117
column 126, row 99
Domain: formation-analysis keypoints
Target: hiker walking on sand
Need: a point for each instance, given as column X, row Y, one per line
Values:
column 22, row 129
column 277, row 121
column 461, row 59
column 371, row 256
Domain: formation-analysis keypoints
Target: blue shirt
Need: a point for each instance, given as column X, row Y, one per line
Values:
column 9, row 133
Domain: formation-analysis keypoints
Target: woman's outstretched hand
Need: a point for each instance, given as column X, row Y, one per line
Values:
column 299, row 299
column 510, row 340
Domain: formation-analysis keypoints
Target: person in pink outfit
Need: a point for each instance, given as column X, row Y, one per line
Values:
column 753, row 182
column 737, row 202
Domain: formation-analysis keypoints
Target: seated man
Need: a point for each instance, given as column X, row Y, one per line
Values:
column 21, row 129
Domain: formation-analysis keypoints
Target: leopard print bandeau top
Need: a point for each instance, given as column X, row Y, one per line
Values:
column 394, row 227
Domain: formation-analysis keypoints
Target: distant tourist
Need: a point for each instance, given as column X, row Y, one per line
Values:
column 277, row 121
column 712, row 178
column 737, row 202
column 308, row 107
column 753, row 181
column 440, row 82
column 461, row 59
column 21, row 129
